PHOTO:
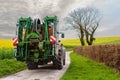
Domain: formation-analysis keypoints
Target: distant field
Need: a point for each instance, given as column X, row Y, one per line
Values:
column 6, row 43
column 99, row 40
column 6, row 49
column 69, row 42
column 107, row 40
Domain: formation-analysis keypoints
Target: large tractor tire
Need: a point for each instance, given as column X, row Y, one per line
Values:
column 31, row 65
column 64, row 61
column 64, row 55
column 57, row 63
column 60, row 59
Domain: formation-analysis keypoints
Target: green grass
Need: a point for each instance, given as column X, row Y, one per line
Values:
column 82, row 68
column 6, row 53
column 69, row 48
column 9, row 66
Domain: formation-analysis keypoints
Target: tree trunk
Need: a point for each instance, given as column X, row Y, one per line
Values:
column 82, row 40
column 82, row 36
column 91, row 39
column 87, row 37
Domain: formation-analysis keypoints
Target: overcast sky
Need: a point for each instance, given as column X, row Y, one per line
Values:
column 11, row 10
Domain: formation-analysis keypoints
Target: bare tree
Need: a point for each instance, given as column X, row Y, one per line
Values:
column 89, row 33
column 85, row 21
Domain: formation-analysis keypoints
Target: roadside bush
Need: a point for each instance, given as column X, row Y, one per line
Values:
column 107, row 54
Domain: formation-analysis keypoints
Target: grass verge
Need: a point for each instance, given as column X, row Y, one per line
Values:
column 82, row 68
column 69, row 48
column 9, row 66
column 6, row 53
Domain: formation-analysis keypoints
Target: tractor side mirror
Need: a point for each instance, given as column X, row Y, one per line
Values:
column 62, row 35
column 17, row 24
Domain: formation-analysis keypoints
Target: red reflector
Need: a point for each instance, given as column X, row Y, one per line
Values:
column 52, row 39
column 15, row 41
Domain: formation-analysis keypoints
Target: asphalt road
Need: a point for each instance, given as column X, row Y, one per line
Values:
column 46, row 72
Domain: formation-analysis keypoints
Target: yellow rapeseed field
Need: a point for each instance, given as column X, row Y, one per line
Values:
column 71, row 42
column 4, row 43
column 99, row 40
column 68, row 42
column 103, row 40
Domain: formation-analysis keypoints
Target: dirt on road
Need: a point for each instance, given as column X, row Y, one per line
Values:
column 46, row 72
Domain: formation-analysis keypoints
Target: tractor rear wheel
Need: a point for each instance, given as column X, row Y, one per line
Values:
column 63, row 61
column 32, row 65
column 57, row 63
column 64, row 56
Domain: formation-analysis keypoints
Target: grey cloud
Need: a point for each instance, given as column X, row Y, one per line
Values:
column 11, row 10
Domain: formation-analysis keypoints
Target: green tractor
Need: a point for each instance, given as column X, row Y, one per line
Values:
column 38, row 42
